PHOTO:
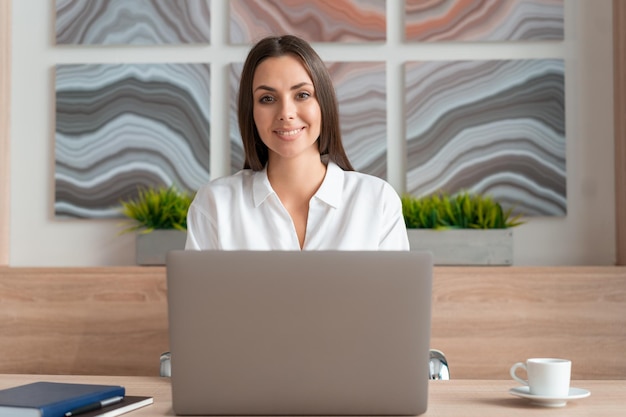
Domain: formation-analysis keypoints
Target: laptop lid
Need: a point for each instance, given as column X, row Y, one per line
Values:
column 299, row 333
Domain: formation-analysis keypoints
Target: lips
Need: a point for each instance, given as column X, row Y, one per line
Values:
column 291, row 132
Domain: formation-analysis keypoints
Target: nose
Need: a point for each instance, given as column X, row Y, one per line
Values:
column 287, row 110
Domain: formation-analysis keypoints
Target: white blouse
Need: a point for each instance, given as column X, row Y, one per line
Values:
column 350, row 211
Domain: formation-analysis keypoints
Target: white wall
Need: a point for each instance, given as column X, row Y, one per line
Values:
column 585, row 236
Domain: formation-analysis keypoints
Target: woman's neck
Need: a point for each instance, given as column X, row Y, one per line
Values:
column 296, row 177
column 295, row 181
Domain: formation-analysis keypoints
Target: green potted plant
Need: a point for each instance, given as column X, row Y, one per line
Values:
column 159, row 216
column 460, row 229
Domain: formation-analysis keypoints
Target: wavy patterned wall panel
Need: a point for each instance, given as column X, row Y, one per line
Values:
column 483, row 20
column 119, row 127
column 361, row 93
column 315, row 21
column 237, row 156
column 132, row 22
column 489, row 126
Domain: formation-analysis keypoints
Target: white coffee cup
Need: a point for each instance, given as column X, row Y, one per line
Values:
column 547, row 377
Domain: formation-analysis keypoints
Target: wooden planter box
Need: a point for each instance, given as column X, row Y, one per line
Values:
column 152, row 247
column 465, row 246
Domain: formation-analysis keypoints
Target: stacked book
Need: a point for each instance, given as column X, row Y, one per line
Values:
column 55, row 399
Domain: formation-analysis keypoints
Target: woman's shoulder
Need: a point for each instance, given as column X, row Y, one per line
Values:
column 229, row 183
column 360, row 186
column 360, row 179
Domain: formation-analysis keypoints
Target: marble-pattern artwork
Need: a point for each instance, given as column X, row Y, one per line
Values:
column 316, row 21
column 132, row 22
column 124, row 126
column 483, row 20
column 494, row 127
column 237, row 155
column 361, row 94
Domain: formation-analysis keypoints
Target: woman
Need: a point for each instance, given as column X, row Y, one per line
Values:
column 297, row 190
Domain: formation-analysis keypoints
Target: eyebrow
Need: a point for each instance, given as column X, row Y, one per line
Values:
column 295, row 87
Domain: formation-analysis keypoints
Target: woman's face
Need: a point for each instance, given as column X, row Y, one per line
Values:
column 286, row 112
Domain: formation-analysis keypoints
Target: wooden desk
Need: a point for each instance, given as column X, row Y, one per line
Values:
column 459, row 397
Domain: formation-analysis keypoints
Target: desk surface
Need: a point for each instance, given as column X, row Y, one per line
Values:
column 468, row 398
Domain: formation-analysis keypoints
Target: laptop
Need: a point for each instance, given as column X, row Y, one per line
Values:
column 299, row 333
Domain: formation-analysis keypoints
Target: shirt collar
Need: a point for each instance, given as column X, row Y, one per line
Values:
column 261, row 187
column 329, row 192
column 332, row 187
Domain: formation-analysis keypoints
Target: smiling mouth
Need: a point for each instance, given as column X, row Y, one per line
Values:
column 289, row 132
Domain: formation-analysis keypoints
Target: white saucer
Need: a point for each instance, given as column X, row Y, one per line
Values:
column 574, row 394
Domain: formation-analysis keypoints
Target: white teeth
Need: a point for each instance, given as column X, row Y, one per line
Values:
column 289, row 133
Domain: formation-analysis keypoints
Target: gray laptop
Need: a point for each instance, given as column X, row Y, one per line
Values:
column 299, row 333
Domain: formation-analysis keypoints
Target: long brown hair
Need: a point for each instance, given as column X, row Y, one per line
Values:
column 329, row 142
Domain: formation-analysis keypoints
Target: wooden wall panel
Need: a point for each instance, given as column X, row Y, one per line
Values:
column 97, row 321
column 487, row 318
column 5, row 102
column 113, row 321
column 619, row 66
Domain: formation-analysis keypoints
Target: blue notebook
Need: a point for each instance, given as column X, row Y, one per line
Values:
column 52, row 399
